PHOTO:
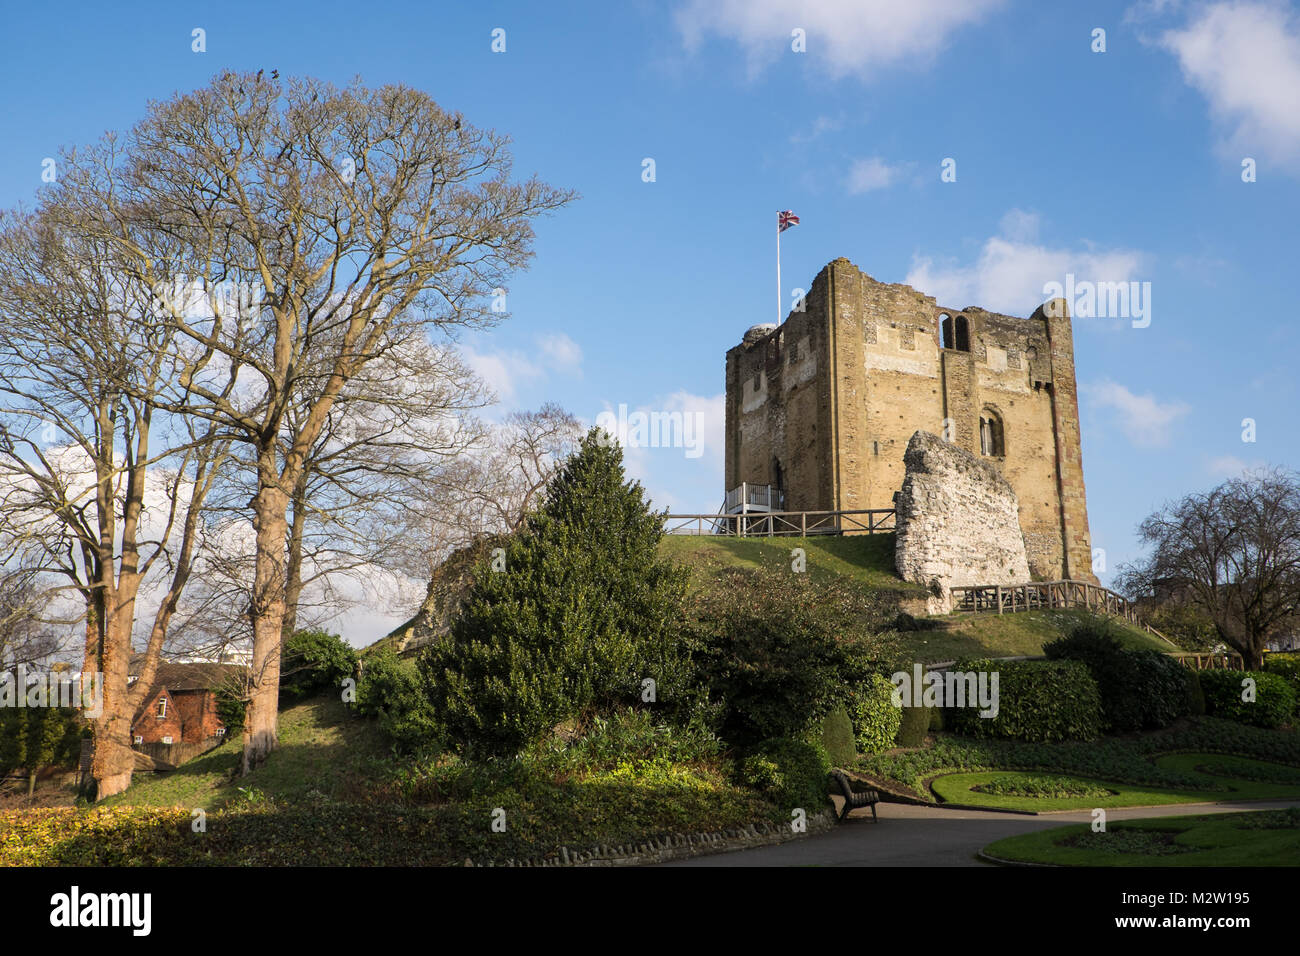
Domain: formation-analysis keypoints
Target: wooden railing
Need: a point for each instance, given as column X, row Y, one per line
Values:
column 788, row 523
column 1007, row 598
column 1230, row 661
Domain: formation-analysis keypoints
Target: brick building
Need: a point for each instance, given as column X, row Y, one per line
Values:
column 181, row 705
column 822, row 406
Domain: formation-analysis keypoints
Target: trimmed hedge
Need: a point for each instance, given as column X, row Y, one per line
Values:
column 790, row 773
column 1038, row 701
column 1286, row 666
column 1140, row 690
column 913, row 726
column 837, row 738
column 1274, row 702
column 875, row 718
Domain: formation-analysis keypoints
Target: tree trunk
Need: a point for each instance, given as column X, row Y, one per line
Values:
column 90, row 664
column 114, row 759
column 293, row 574
column 260, row 724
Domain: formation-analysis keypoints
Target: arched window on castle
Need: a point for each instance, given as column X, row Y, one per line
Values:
column 955, row 333
column 991, row 439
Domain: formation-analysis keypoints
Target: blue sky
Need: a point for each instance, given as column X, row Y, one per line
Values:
column 1116, row 165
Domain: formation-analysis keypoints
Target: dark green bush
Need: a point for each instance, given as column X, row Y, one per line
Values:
column 1037, row 701
column 1140, row 690
column 1274, row 702
column 1195, row 696
column 314, row 661
column 790, row 773
column 875, row 718
column 583, row 612
column 913, row 727
column 769, row 651
column 837, row 737
column 33, row 738
column 392, row 691
column 232, row 702
column 1286, row 666
column 625, row 736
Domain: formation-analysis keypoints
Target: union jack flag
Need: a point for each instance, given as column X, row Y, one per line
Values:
column 784, row 220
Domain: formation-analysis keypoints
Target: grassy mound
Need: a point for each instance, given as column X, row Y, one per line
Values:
column 332, row 795
column 867, row 559
column 867, row 562
column 1020, row 634
column 325, row 752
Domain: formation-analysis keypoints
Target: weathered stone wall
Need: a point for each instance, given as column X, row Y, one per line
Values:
column 957, row 522
column 836, row 392
column 778, row 407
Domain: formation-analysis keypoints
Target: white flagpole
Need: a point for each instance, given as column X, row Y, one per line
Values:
column 778, row 268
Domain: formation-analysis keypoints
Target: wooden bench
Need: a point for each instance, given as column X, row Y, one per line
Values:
column 854, row 801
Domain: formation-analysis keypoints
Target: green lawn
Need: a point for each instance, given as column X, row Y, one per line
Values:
column 1014, row 635
column 323, row 751
column 864, row 558
column 1258, row 838
column 964, row 787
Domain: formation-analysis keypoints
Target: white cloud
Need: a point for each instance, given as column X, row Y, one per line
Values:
column 1013, row 267
column 1244, row 57
column 562, row 352
column 820, row 127
column 844, row 37
column 1230, row 466
column 507, row 371
column 1143, row 419
column 1019, row 225
column 872, row 173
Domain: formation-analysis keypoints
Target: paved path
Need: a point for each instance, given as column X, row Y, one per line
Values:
column 930, row 836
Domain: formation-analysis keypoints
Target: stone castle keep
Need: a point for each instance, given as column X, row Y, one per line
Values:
column 824, row 406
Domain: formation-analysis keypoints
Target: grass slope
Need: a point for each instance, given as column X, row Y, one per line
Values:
column 331, row 795
column 867, row 561
column 1013, row 635
column 324, row 751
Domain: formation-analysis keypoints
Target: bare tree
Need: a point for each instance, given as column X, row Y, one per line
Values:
column 491, row 489
column 1233, row 553
column 27, row 635
column 359, row 215
column 397, row 427
column 81, row 442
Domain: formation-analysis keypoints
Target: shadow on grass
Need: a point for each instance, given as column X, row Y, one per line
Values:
column 539, row 819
